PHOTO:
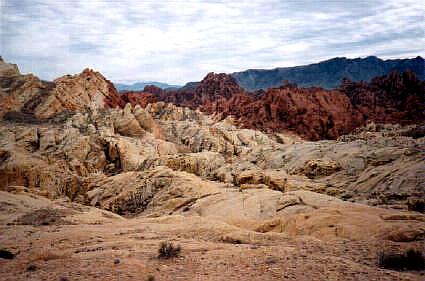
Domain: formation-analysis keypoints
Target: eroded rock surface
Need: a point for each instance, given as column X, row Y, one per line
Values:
column 31, row 97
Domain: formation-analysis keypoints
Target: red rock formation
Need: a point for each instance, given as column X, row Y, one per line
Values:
column 140, row 98
column 113, row 99
column 212, row 88
column 310, row 112
column 393, row 98
column 153, row 90
column 313, row 113
column 215, row 86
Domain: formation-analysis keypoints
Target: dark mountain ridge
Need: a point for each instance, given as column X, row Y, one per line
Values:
column 328, row 74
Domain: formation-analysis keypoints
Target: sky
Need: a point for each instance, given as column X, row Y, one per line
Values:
column 181, row 41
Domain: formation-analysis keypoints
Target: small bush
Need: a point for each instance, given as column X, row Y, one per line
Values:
column 46, row 255
column 409, row 260
column 46, row 216
column 31, row 267
column 150, row 278
column 168, row 250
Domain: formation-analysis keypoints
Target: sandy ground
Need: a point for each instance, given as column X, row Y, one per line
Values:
column 127, row 250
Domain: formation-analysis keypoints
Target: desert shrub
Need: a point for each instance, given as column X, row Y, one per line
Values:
column 46, row 255
column 46, row 216
column 409, row 260
column 31, row 267
column 150, row 278
column 168, row 250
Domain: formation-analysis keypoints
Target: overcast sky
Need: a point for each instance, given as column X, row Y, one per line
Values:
column 180, row 41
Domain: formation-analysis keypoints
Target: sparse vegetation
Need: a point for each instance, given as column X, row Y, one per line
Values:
column 46, row 255
column 150, row 278
column 168, row 250
column 31, row 267
column 409, row 260
column 46, row 216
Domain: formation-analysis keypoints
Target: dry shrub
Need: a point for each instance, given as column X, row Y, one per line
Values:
column 168, row 250
column 46, row 255
column 150, row 278
column 45, row 216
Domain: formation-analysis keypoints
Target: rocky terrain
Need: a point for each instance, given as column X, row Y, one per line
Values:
column 92, row 182
column 312, row 113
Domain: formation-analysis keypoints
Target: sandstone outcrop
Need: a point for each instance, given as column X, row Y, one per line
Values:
column 7, row 69
column 26, row 94
column 74, row 93
column 155, row 192
column 377, row 166
column 126, row 123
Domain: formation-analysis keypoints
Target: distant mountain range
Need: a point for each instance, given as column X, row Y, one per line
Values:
column 327, row 74
column 139, row 86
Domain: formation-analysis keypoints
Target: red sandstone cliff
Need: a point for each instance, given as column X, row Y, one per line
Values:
column 140, row 98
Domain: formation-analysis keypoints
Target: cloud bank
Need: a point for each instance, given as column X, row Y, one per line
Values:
column 180, row 41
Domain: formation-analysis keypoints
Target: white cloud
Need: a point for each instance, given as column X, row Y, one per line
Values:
column 179, row 41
